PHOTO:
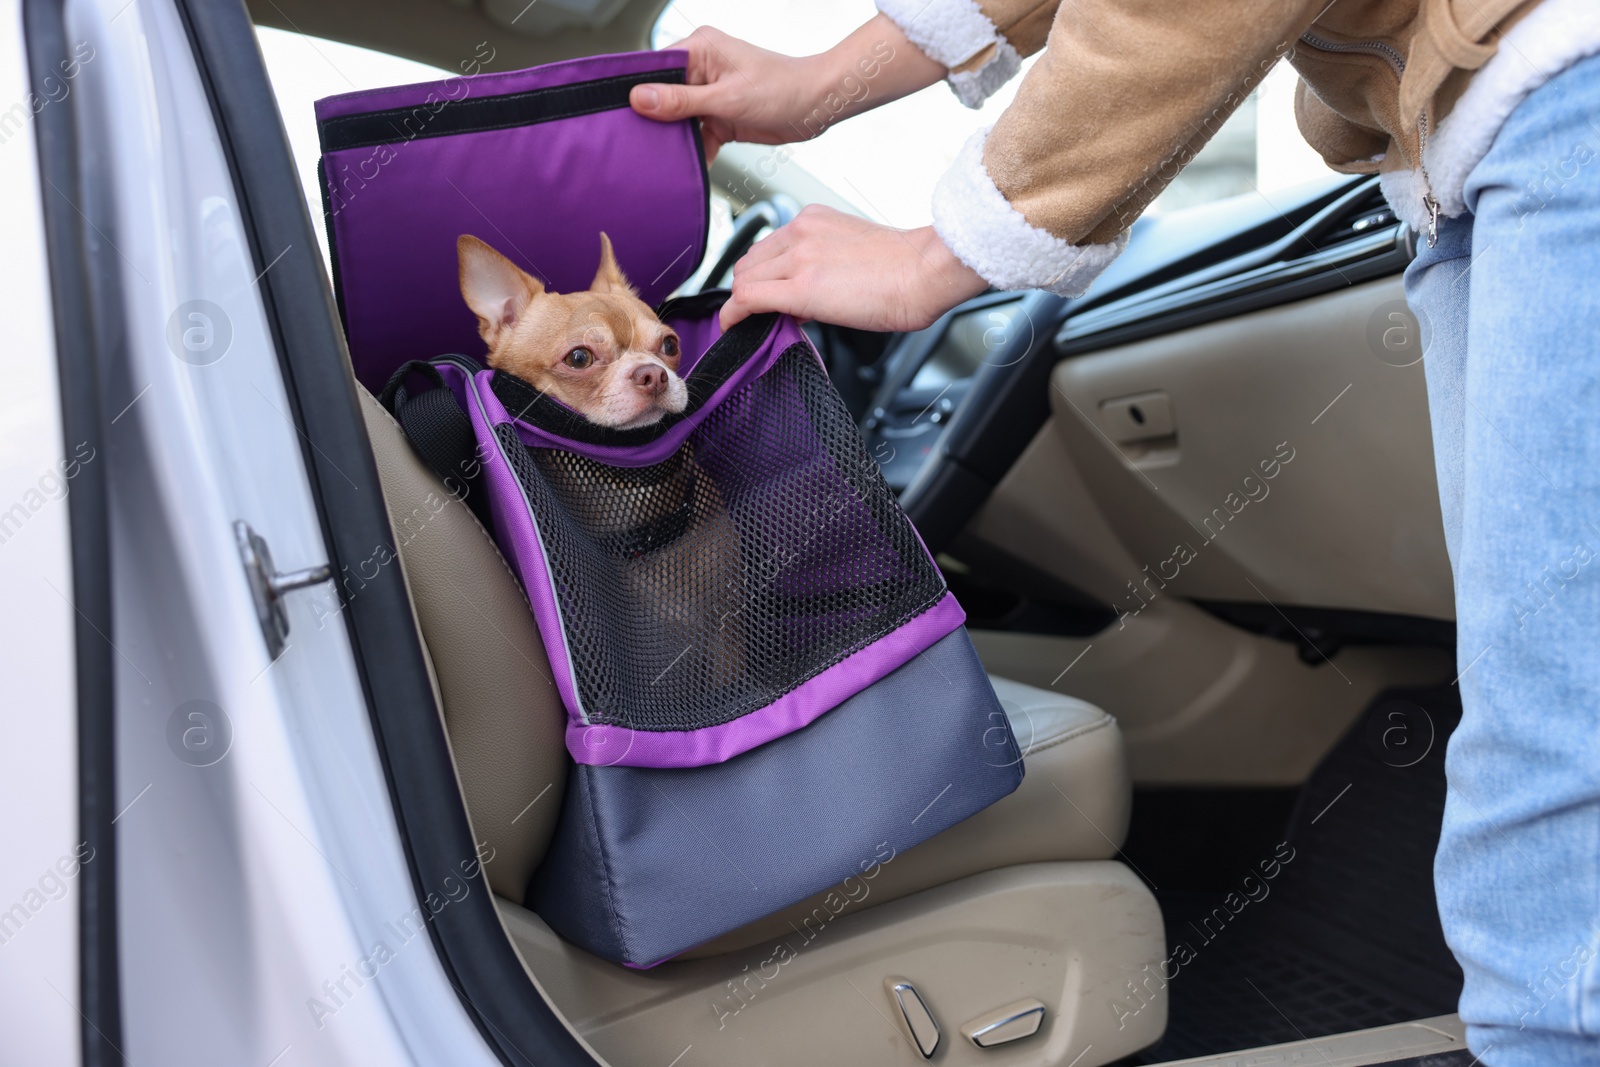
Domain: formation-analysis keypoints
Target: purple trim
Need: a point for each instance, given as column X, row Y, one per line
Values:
column 612, row 746
column 786, row 334
column 656, row 963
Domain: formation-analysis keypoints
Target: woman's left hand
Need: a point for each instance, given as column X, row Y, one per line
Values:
column 844, row 270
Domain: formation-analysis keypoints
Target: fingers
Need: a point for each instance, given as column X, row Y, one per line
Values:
column 732, row 312
column 770, row 247
column 706, row 45
column 713, row 135
column 764, row 270
column 669, row 103
column 758, row 298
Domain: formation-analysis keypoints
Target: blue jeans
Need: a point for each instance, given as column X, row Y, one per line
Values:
column 1509, row 301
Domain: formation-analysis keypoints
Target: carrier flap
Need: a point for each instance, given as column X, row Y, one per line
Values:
column 536, row 162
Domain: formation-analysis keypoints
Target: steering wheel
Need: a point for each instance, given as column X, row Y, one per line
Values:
column 763, row 214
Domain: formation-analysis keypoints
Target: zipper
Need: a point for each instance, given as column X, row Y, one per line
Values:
column 1366, row 48
column 1397, row 62
column 1429, row 201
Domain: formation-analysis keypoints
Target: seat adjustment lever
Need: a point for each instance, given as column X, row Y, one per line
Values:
column 1010, row 1023
column 919, row 1020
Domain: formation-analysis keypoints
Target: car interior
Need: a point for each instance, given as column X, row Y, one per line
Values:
column 1193, row 521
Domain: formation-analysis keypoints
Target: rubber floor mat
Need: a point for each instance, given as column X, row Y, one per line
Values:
column 1337, row 929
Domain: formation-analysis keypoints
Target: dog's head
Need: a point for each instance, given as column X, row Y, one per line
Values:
column 603, row 352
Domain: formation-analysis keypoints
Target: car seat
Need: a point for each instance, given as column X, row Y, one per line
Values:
column 1013, row 937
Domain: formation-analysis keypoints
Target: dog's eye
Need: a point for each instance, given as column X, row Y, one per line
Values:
column 579, row 358
column 669, row 346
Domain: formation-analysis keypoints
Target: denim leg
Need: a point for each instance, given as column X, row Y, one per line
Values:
column 1437, row 290
column 1518, row 867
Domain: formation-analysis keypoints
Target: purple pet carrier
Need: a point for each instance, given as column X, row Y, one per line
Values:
column 768, row 686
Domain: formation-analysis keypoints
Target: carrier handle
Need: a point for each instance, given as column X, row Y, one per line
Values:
column 440, row 432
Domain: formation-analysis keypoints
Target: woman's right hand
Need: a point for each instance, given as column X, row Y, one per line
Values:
column 744, row 93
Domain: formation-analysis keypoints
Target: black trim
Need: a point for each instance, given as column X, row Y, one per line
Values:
column 479, row 114
column 1225, row 247
column 333, row 245
column 86, row 309
column 1457, row 1058
column 1241, row 300
column 472, row 947
column 1320, row 256
column 730, row 352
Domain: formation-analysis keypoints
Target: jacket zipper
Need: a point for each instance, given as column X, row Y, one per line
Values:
column 1392, row 56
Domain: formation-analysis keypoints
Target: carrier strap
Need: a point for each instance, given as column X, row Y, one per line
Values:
column 440, row 432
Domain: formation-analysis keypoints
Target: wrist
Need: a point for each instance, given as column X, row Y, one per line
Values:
column 872, row 66
column 946, row 280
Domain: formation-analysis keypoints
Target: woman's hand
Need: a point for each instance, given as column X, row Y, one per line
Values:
column 841, row 269
column 744, row 93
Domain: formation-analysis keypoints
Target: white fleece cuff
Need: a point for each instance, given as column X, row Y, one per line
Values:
column 1549, row 39
column 993, row 238
column 951, row 32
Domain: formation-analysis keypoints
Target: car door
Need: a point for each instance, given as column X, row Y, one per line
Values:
column 209, row 615
column 50, row 871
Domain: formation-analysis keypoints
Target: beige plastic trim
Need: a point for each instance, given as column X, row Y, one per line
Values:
column 1203, row 702
column 1359, row 1048
column 1299, row 467
column 1072, row 935
column 1349, row 519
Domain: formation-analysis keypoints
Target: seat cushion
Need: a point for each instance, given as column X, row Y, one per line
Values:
column 501, row 710
column 1072, row 805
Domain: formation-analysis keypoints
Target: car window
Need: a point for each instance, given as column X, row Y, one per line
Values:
column 303, row 70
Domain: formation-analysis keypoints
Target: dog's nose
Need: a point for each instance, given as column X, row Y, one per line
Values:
column 649, row 378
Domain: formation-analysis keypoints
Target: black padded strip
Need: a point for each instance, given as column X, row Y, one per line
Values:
column 478, row 114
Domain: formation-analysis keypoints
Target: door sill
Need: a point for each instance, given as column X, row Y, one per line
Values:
column 1437, row 1042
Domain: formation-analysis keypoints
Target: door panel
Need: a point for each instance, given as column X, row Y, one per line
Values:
column 1269, row 461
column 1287, row 462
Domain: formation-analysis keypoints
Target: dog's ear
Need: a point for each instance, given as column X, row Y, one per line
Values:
column 496, row 289
column 609, row 278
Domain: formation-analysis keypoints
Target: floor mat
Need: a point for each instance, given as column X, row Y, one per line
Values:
column 1337, row 929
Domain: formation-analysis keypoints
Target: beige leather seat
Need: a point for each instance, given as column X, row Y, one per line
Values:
column 1044, row 846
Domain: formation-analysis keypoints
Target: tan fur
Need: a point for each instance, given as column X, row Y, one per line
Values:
column 631, row 379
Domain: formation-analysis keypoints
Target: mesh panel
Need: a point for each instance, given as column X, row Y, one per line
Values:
column 702, row 588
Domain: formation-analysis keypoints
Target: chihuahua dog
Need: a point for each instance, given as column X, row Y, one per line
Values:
column 607, row 356
column 603, row 352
